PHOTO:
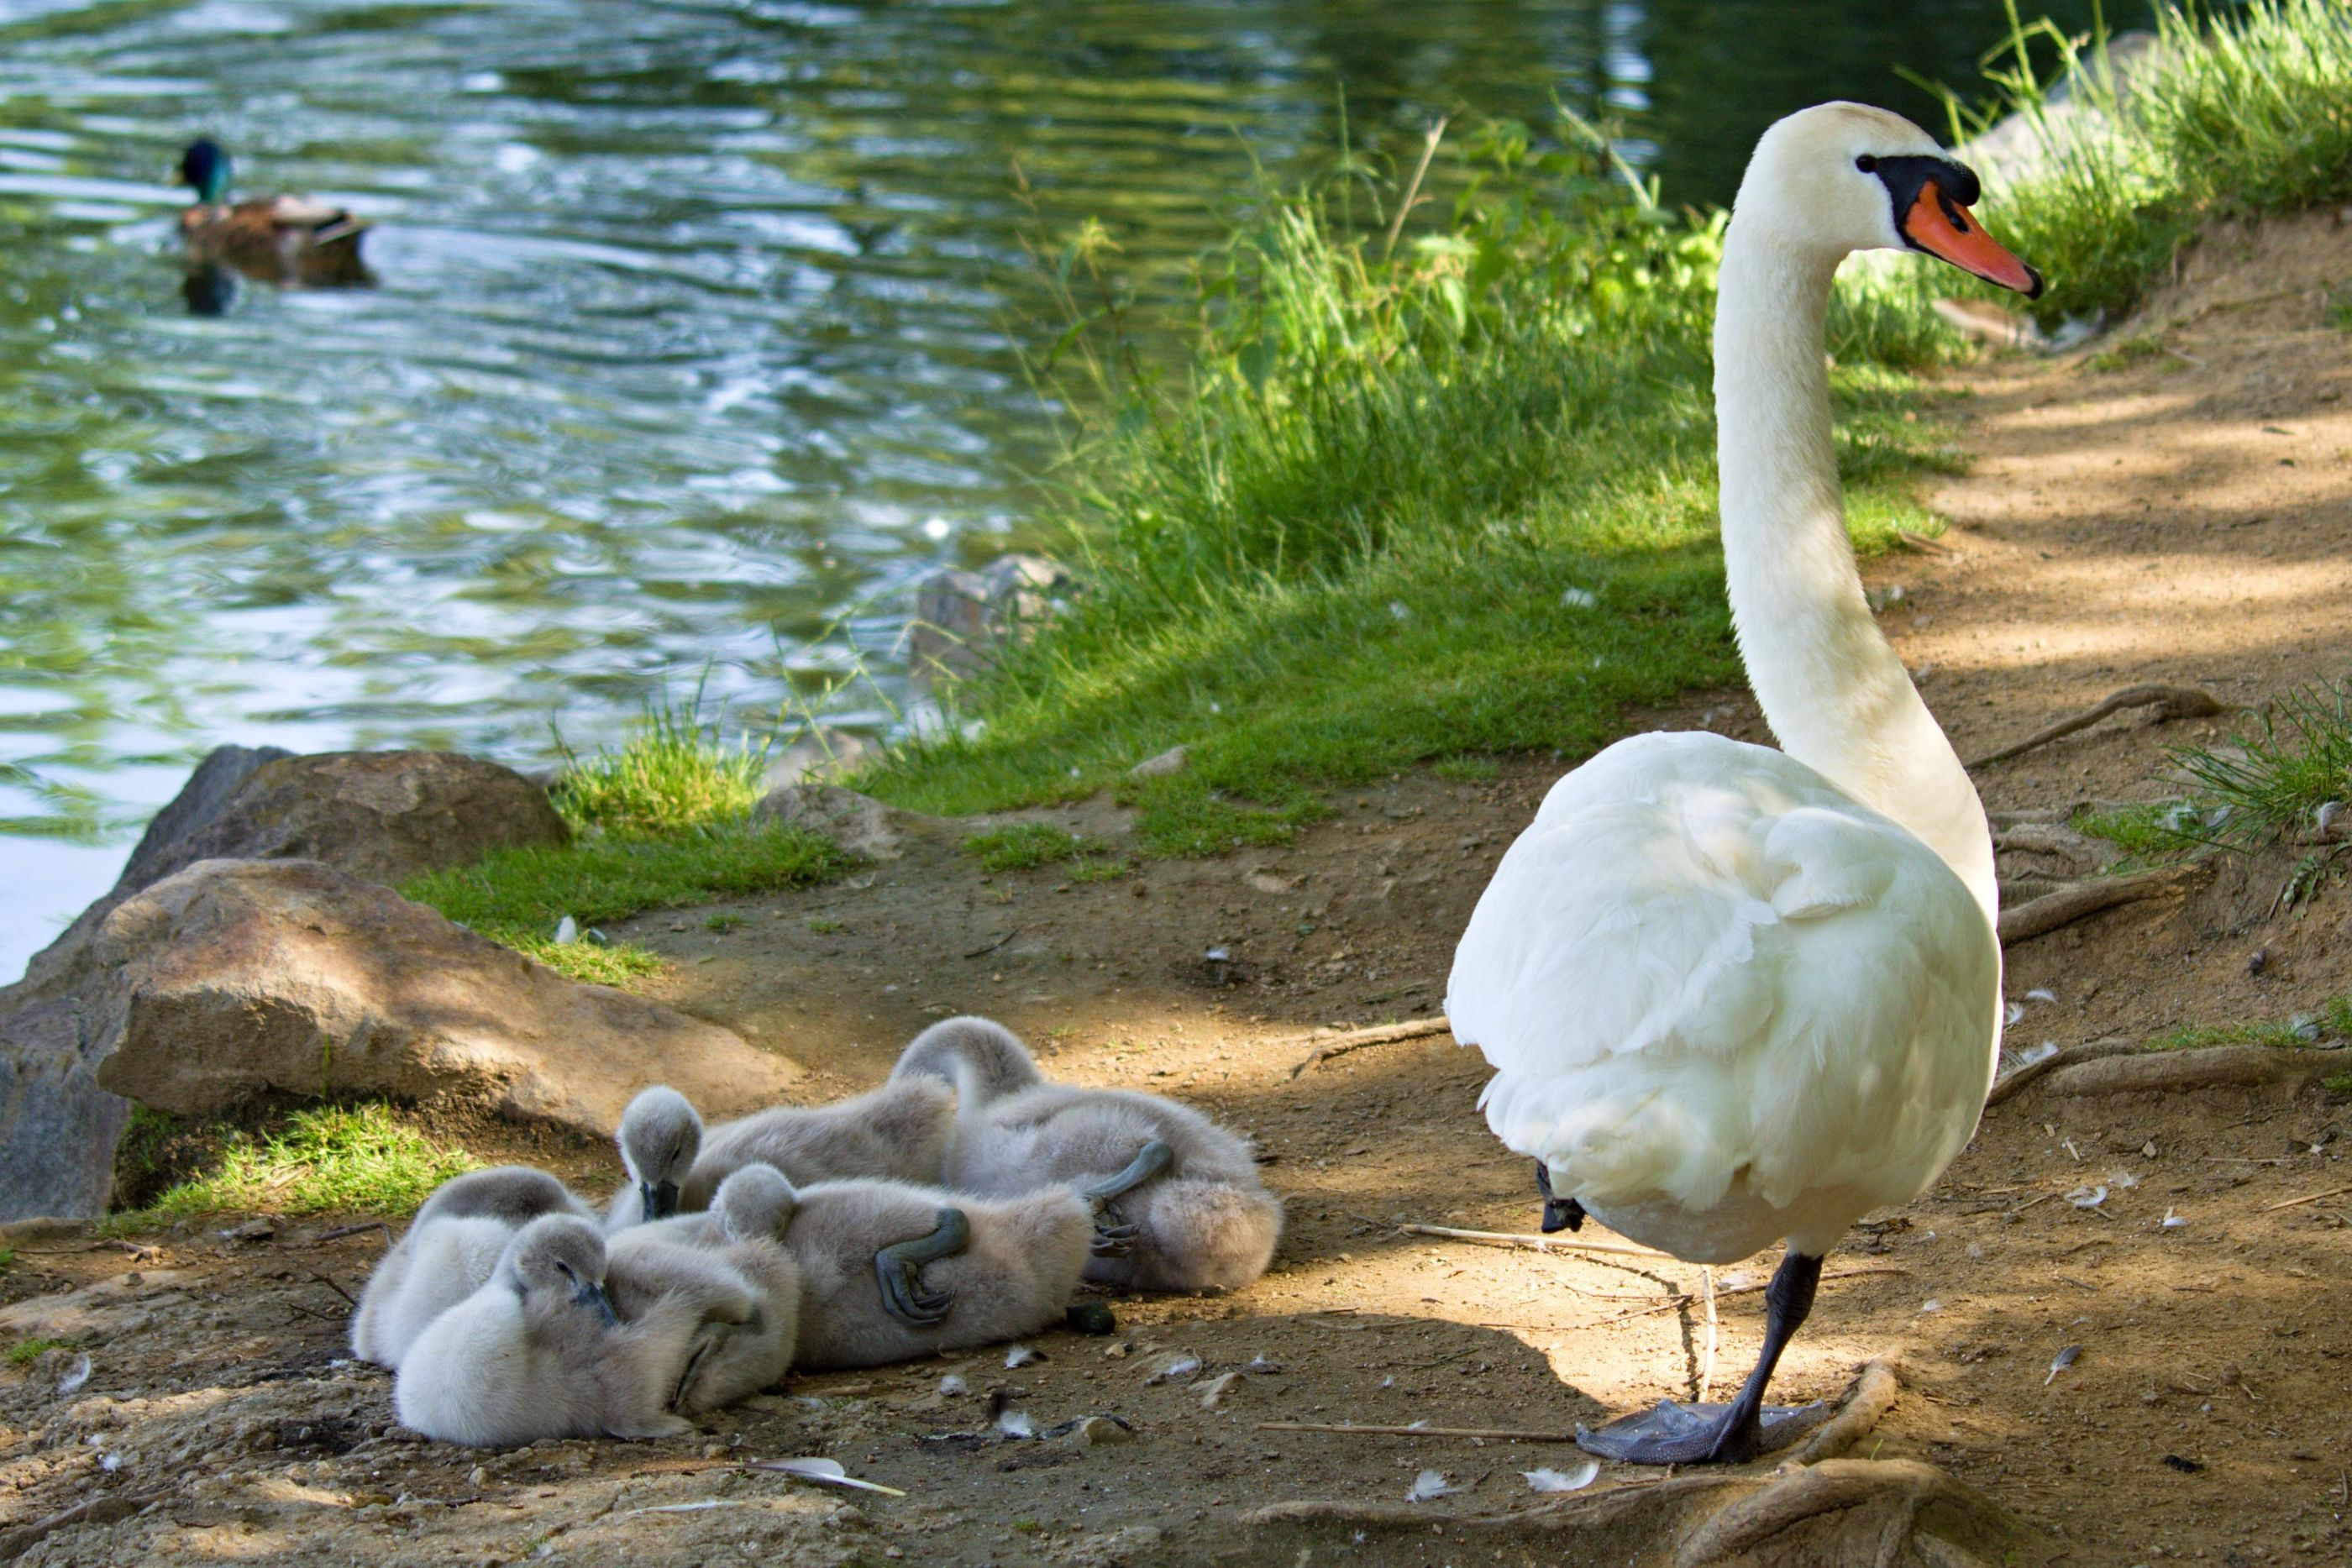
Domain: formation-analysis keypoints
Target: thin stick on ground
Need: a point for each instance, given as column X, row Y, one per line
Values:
column 1538, row 1243
column 1684, row 1300
column 2312, row 1198
column 1328, row 1046
column 2039, row 917
column 2171, row 702
column 1706, row 1361
column 1350, row 1428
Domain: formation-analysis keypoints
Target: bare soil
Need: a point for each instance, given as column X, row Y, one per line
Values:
column 2182, row 519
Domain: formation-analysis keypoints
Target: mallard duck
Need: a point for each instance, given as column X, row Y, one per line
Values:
column 285, row 240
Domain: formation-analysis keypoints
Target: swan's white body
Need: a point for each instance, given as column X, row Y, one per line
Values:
column 1733, row 994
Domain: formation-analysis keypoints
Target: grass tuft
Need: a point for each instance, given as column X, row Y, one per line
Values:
column 25, row 1352
column 2295, row 758
column 674, row 775
column 517, row 896
column 1023, row 846
column 357, row 1158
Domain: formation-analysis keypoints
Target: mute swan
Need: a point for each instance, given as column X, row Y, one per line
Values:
column 1734, row 995
column 953, row 1273
column 537, row 1352
column 1178, row 1201
column 898, row 1130
column 452, row 1245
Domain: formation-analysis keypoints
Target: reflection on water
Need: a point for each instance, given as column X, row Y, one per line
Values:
column 696, row 333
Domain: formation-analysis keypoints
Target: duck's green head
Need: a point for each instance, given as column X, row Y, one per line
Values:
column 203, row 168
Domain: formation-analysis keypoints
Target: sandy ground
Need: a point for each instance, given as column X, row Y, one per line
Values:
column 2182, row 519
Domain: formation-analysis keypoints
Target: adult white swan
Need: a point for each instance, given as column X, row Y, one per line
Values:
column 1734, row 995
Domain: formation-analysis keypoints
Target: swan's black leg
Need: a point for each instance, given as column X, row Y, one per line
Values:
column 1673, row 1433
column 899, row 1267
column 1560, row 1213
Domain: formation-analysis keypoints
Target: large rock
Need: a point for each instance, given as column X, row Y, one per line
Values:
column 383, row 815
column 234, row 977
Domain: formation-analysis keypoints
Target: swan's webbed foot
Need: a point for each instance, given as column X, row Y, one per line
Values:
column 1672, row 1434
column 1733, row 1434
column 899, row 1268
column 1560, row 1213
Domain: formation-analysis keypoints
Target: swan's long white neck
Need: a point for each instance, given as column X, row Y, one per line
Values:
column 1831, row 688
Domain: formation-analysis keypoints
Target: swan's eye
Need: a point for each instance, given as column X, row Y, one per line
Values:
column 1866, row 164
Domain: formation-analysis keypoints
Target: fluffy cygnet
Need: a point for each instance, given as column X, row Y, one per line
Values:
column 744, row 1287
column 891, row 1271
column 451, row 1247
column 539, row 1352
column 1181, row 1205
column 898, row 1130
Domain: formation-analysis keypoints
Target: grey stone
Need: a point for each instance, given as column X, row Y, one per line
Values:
column 818, row 756
column 962, row 618
column 858, row 824
column 1171, row 760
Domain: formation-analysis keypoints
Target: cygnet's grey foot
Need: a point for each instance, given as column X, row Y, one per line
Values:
column 1672, row 1434
column 899, row 1268
column 1154, row 1159
column 705, row 1342
column 1111, row 1241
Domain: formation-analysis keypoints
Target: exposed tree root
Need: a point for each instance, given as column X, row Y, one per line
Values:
column 2171, row 702
column 1901, row 1490
column 2038, row 916
column 1871, row 1397
column 14, row 1543
column 2068, row 1056
column 1328, row 1046
column 2166, row 1071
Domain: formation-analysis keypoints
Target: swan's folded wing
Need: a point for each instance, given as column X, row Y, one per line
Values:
column 1704, row 979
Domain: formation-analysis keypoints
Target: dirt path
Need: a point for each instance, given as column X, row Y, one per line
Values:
column 2119, row 526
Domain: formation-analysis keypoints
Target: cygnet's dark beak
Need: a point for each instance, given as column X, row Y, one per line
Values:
column 591, row 1296
column 1560, row 1213
column 660, row 1198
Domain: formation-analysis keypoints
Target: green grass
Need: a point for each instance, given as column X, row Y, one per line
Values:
column 25, row 1352
column 1455, row 499
column 357, row 1158
column 676, row 774
column 2332, row 1020
column 663, row 821
column 826, row 926
column 517, row 896
column 2287, row 762
column 1448, row 490
column 2249, row 110
column 1023, row 846
column 2125, row 352
column 7, row 1259
column 1466, row 769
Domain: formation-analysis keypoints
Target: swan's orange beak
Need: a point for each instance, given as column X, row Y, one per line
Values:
column 1941, row 226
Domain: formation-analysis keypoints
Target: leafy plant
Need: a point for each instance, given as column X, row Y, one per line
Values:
column 359, row 1158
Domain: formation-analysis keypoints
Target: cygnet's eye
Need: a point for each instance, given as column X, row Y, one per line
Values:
column 1866, row 164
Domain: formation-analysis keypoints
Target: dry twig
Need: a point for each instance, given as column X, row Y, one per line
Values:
column 1328, row 1046
column 2171, row 702
column 1486, row 1433
column 1538, row 1243
column 2312, row 1198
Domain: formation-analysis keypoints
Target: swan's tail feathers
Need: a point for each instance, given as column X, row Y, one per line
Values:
column 1611, row 1135
column 981, row 1058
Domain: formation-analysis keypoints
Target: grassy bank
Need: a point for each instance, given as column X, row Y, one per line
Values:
column 1447, row 488
column 1445, row 498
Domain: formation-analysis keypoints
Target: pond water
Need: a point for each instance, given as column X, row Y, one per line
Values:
column 696, row 335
